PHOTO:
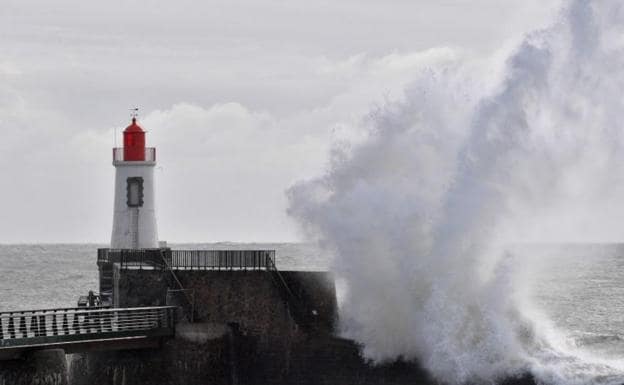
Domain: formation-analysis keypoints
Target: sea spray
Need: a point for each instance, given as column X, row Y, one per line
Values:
column 420, row 215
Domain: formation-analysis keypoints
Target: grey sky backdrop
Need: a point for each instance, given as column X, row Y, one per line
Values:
column 242, row 99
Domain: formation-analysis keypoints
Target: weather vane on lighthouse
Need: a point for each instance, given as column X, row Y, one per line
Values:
column 134, row 219
column 134, row 112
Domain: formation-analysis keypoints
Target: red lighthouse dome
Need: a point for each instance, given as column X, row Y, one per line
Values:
column 134, row 142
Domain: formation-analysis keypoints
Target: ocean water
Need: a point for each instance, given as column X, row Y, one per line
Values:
column 580, row 289
column 577, row 289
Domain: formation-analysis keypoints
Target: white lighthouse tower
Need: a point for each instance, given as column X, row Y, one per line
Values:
column 134, row 219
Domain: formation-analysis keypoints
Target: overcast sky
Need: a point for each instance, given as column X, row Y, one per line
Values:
column 241, row 98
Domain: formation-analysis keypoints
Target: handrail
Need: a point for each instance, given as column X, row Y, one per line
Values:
column 175, row 277
column 273, row 269
column 188, row 259
column 51, row 310
column 118, row 155
column 293, row 300
column 50, row 326
column 101, row 309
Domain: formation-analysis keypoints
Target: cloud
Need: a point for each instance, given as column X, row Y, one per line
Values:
column 238, row 110
column 223, row 167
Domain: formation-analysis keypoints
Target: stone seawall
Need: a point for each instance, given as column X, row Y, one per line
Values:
column 46, row 367
column 228, row 358
column 250, row 299
column 245, row 333
column 199, row 354
column 260, row 332
column 249, row 302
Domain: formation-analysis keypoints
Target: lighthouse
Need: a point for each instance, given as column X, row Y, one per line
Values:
column 134, row 218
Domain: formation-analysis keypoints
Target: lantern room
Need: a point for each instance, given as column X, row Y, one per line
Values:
column 134, row 142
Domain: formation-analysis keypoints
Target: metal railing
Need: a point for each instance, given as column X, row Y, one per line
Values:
column 150, row 154
column 189, row 259
column 132, row 258
column 67, row 325
column 302, row 316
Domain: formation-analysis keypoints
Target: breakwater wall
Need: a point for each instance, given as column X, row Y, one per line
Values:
column 246, row 331
column 46, row 367
column 251, row 299
column 247, row 327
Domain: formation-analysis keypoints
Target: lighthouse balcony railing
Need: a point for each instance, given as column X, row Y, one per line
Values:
column 188, row 259
column 118, row 155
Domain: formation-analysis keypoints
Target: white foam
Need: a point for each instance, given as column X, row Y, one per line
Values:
column 419, row 214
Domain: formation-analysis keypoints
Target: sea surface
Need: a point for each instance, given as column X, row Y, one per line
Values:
column 580, row 289
column 577, row 288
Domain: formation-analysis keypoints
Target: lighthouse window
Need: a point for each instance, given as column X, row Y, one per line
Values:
column 135, row 192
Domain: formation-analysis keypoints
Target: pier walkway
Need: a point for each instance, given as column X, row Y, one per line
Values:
column 84, row 329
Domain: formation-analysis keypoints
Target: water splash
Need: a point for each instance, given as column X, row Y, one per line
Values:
column 420, row 214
